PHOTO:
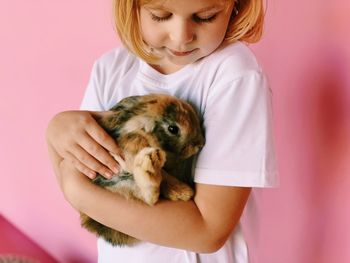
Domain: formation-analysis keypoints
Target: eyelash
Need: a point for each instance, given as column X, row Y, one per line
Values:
column 204, row 20
column 194, row 18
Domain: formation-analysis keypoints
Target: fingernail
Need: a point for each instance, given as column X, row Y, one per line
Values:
column 109, row 174
column 115, row 169
column 92, row 175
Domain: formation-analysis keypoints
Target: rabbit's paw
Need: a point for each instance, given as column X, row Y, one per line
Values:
column 175, row 190
column 147, row 173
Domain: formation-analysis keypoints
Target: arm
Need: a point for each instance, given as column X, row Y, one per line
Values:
column 201, row 225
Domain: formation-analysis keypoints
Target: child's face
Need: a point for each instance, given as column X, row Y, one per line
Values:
column 184, row 31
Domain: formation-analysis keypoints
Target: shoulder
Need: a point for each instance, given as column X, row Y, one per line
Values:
column 231, row 62
column 108, row 71
column 116, row 60
column 232, row 70
column 117, row 54
column 238, row 56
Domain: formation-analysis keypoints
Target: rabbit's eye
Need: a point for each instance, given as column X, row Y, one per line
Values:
column 173, row 129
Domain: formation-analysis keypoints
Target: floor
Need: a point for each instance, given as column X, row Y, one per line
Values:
column 14, row 242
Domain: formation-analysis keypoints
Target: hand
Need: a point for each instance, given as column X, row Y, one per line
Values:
column 78, row 138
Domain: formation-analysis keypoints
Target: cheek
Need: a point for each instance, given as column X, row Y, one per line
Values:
column 211, row 40
column 149, row 31
column 214, row 37
column 151, row 34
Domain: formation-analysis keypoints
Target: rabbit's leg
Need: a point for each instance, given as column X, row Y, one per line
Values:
column 174, row 189
column 147, row 173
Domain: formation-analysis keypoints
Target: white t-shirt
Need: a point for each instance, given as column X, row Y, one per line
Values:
column 233, row 99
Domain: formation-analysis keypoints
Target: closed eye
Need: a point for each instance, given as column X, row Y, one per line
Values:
column 195, row 18
column 200, row 20
column 160, row 18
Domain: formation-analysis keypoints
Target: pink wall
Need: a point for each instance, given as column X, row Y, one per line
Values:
column 306, row 52
column 47, row 50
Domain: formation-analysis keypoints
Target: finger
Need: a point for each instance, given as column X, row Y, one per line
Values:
column 80, row 166
column 88, row 160
column 98, row 144
column 103, row 138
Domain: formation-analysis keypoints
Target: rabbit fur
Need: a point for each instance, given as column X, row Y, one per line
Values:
column 154, row 132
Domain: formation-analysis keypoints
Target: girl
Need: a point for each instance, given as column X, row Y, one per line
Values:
column 191, row 49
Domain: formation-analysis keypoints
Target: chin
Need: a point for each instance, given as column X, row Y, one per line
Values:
column 183, row 61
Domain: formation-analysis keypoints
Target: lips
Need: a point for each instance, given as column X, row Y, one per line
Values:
column 181, row 53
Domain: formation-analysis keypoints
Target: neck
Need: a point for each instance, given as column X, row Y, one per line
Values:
column 167, row 69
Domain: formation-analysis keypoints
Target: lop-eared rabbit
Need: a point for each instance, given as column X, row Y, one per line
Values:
column 155, row 132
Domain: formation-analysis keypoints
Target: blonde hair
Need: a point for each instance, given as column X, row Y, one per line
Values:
column 246, row 24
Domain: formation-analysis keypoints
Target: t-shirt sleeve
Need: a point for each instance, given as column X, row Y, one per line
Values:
column 239, row 148
column 93, row 98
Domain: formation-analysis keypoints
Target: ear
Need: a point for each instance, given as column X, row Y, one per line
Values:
column 127, row 103
column 139, row 123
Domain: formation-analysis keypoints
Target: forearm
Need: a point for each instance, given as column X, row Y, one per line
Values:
column 55, row 161
column 175, row 224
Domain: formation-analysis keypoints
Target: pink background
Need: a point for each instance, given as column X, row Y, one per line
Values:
column 47, row 50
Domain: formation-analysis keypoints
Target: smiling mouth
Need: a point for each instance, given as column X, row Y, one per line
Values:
column 181, row 53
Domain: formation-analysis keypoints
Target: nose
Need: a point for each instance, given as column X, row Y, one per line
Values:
column 182, row 33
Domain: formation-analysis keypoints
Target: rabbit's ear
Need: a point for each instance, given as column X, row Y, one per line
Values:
column 141, row 122
column 127, row 103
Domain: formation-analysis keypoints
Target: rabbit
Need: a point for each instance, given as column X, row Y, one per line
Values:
column 154, row 132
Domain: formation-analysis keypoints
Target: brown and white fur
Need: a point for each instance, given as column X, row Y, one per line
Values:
column 154, row 132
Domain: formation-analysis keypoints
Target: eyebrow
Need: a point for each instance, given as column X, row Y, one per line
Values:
column 205, row 9
column 209, row 8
